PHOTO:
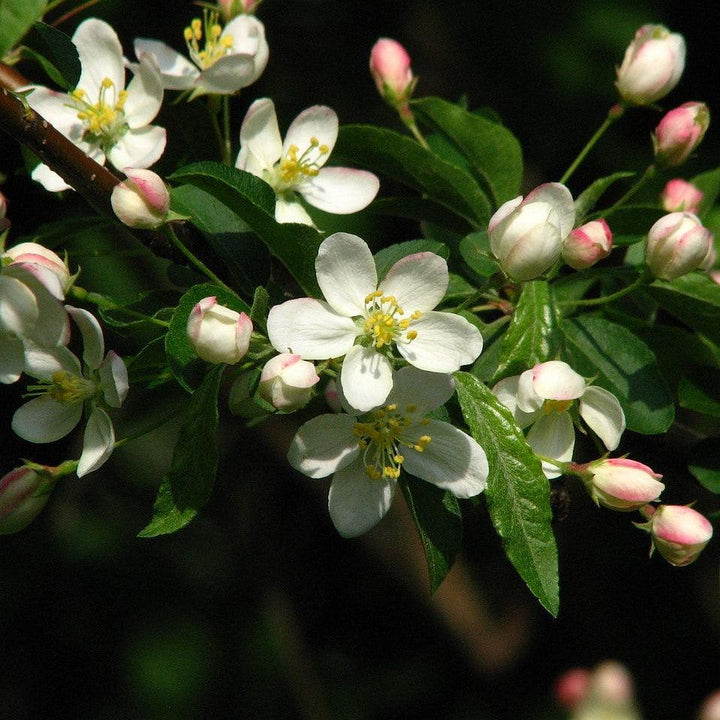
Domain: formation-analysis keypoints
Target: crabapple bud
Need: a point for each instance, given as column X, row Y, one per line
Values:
column 286, row 381
column 571, row 687
column 23, row 494
column 679, row 533
column 217, row 333
column 390, row 68
column 142, row 200
column 710, row 709
column 621, row 484
column 587, row 244
column 676, row 244
column 679, row 194
column 680, row 132
column 42, row 264
column 232, row 8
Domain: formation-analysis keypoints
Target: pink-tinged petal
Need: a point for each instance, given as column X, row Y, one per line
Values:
column 46, row 276
column 300, row 374
column 506, row 391
column 502, row 212
column 601, row 411
column 49, row 179
column 317, row 121
column 227, row 75
column 98, row 442
column 425, row 390
column 444, row 343
column 144, row 94
column 527, row 399
column 260, row 141
column 310, row 328
column 101, row 57
column 18, row 307
column 346, row 273
column 357, row 503
column 44, row 420
column 560, row 198
column 93, row 342
column 289, row 210
column 417, row 282
column 41, row 363
column 554, row 437
column 139, row 148
column 324, row 445
column 451, row 460
column 55, row 107
column 340, row 190
column 366, row 378
column 178, row 73
column 114, row 379
column 11, row 359
column 556, row 380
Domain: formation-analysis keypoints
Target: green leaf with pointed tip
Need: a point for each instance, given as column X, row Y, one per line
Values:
column 518, row 494
column 16, row 17
column 705, row 464
column 55, row 51
column 587, row 199
column 439, row 523
column 188, row 485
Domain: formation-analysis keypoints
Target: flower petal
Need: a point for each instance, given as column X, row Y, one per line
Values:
column 527, row 399
column 55, row 107
column 42, row 363
column 444, row 342
column 346, row 273
column 560, row 198
column 506, row 392
column 11, row 359
column 289, row 210
column 324, row 445
column 98, row 442
column 426, row 390
column 417, row 282
column 44, row 420
column 260, row 141
column 113, row 379
column 138, row 148
column 248, row 35
column 602, row 412
column 144, row 94
column 451, row 460
column 177, row 72
column 93, row 342
column 227, row 75
column 366, row 378
column 101, row 57
column 18, row 307
column 556, row 380
column 49, row 179
column 340, row 190
column 317, row 121
column 357, row 503
column 553, row 436
column 310, row 328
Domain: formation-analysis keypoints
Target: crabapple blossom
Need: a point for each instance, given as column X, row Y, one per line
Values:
column 652, row 65
column 680, row 132
column 679, row 195
column 678, row 532
column 141, row 201
column 391, row 71
column 677, row 244
column 24, row 492
column 49, row 269
column 101, row 116
column 527, row 234
column 362, row 319
column 286, row 381
column 67, row 387
column 366, row 453
column 296, row 166
column 587, row 244
column 217, row 333
column 222, row 60
column 541, row 398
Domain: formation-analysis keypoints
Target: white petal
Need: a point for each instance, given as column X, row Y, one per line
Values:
column 139, row 148
column 444, row 342
column 561, row 199
column 227, row 75
column 101, row 57
column 44, row 420
column 451, row 460
column 178, row 73
column 500, row 214
column 556, row 380
column 98, row 442
column 527, row 399
column 366, row 378
column 113, row 379
column 144, row 94
column 317, row 121
column 506, row 392
column 289, row 210
column 417, row 282
column 260, row 141
column 346, row 273
column 553, row 436
column 357, row 503
column 323, row 445
column 310, row 328
column 18, row 307
column 49, row 179
column 601, row 410
column 426, row 390
column 340, row 190
column 248, row 35
column 93, row 342
column 42, row 363
column 11, row 359
column 56, row 109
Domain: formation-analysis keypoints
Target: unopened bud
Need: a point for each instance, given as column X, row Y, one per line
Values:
column 42, row 264
column 678, row 532
column 710, row 709
column 680, row 132
column 142, row 201
column 587, row 244
column 571, row 687
column 679, row 195
column 232, row 8
column 23, row 494
column 621, row 484
column 390, row 68
column 676, row 244
column 286, row 382
column 217, row 333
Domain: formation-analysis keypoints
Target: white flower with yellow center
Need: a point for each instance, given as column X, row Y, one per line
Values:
column 363, row 320
column 296, row 166
column 368, row 453
column 67, row 388
column 101, row 116
column 222, row 60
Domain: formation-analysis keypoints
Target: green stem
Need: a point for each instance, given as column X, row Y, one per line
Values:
column 406, row 115
column 646, row 176
column 214, row 102
column 227, row 157
column 590, row 302
column 615, row 112
column 551, row 461
column 101, row 301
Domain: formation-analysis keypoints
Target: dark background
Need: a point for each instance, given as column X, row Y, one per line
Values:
column 258, row 609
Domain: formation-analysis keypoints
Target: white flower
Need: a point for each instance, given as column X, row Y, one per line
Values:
column 362, row 320
column 367, row 453
column 230, row 59
column 65, row 389
column 542, row 397
column 296, row 165
column 101, row 116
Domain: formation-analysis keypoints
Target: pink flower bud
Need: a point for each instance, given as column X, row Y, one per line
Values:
column 710, row 709
column 43, row 264
column 678, row 532
column 585, row 245
column 680, row 195
column 621, row 484
column 232, row 8
column 680, row 132
column 676, row 244
column 217, row 333
column 390, row 68
column 141, row 201
column 286, row 381
column 23, row 494
column 332, row 396
column 3, row 206
column 652, row 66
column 612, row 685
column 571, row 687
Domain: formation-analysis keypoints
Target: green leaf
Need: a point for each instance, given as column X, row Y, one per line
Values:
column 625, row 366
column 705, row 465
column 16, row 17
column 253, row 201
column 150, row 366
column 260, row 306
column 633, row 220
column 518, row 494
column 420, row 209
column 486, row 365
column 439, row 523
column 534, row 333
column 475, row 251
column 55, row 51
column 700, row 391
column 387, row 257
column 187, row 367
column 400, row 157
column 588, row 198
column 709, row 183
column 188, row 485
column 493, row 152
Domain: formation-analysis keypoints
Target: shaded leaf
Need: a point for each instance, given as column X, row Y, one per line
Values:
column 588, row 198
column 387, row 257
column 55, row 51
column 475, row 251
column 16, row 17
column 700, row 391
column 705, row 464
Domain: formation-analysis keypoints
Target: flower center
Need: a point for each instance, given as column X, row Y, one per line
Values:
column 215, row 46
column 105, row 119
column 382, row 438
column 65, row 388
column 296, row 166
column 558, row 406
column 383, row 324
